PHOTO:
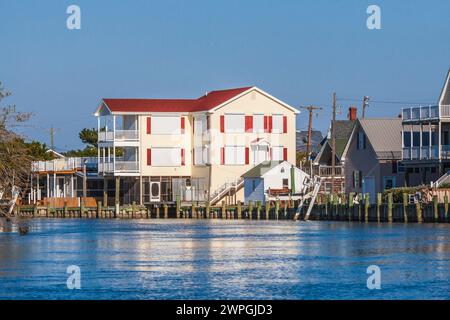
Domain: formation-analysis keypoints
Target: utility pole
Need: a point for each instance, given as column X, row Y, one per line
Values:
column 365, row 104
column 52, row 138
column 310, row 109
column 333, row 144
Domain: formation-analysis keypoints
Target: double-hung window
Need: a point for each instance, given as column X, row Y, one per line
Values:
column 234, row 123
column 277, row 123
column 234, row 155
column 258, row 123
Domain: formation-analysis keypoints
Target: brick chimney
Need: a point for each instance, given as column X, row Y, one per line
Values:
column 352, row 113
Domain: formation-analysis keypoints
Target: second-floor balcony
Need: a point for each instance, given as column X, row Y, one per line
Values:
column 118, row 166
column 118, row 135
column 325, row 171
column 420, row 113
column 421, row 153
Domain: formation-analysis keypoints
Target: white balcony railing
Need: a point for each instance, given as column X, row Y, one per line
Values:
column 118, row 166
column 445, row 152
column 445, row 111
column 64, row 164
column 118, row 135
column 421, row 113
column 422, row 153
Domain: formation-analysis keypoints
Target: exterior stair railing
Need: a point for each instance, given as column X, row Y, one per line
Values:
column 225, row 189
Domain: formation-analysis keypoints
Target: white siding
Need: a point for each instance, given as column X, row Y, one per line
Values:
column 166, row 157
column 234, row 155
column 277, row 153
column 200, row 155
column 166, row 124
column 258, row 123
column 234, row 123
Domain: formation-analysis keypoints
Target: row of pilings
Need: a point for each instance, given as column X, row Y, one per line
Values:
column 332, row 209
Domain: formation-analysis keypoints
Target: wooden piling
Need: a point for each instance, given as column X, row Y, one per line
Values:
column 277, row 209
column 99, row 209
column 239, row 210
column 360, row 202
column 405, row 207
column 166, row 211
column 446, row 207
column 258, row 210
column 366, row 207
column 351, row 197
column 208, row 210
column 35, row 211
column 267, row 207
column 157, row 212
column 419, row 213
column 178, row 206
column 436, row 209
column 379, row 202
column 224, row 210
column 390, row 205
column 117, row 210
column 82, row 209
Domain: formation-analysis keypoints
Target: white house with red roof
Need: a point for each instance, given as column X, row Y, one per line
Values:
column 197, row 149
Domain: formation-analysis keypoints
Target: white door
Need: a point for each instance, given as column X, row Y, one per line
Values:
column 369, row 187
column 261, row 154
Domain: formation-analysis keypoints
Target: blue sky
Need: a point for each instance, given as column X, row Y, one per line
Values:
column 299, row 51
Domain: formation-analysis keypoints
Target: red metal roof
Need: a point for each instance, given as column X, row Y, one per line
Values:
column 206, row 102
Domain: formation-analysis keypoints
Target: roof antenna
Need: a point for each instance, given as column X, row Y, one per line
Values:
column 206, row 93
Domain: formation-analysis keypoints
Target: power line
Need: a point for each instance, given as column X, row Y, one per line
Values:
column 387, row 101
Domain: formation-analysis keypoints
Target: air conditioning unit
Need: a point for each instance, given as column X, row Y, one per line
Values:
column 155, row 191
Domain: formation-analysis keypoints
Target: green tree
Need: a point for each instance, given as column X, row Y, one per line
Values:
column 89, row 137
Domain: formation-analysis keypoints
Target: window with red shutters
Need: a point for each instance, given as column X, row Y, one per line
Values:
column 284, row 124
column 247, row 155
column 248, row 123
column 222, row 123
column 285, row 154
column 149, row 157
column 183, row 162
column 182, row 125
column 149, row 125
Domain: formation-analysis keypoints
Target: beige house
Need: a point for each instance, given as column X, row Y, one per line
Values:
column 158, row 149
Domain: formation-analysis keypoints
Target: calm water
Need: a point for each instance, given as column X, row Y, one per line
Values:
column 191, row 259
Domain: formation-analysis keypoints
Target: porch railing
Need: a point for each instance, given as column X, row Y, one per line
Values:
column 120, row 135
column 118, row 166
column 324, row 171
column 421, row 153
column 421, row 113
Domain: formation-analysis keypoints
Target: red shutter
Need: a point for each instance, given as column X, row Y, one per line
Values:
column 248, row 123
column 222, row 123
column 284, row 124
column 222, row 155
column 270, row 124
column 247, row 154
column 285, row 154
column 266, row 124
column 149, row 157
column 182, row 125
column 149, row 125
column 183, row 162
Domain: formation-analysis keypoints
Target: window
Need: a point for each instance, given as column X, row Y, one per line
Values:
column 234, row 123
column 357, row 179
column 277, row 153
column 388, row 183
column 433, row 169
column 361, row 143
column 253, row 185
column 416, row 139
column 400, row 167
column 258, row 123
column 234, row 155
column 394, row 166
column 200, row 125
column 200, row 156
column 285, row 183
column 327, row 187
column 425, row 139
column 277, row 123
column 406, row 139
column 166, row 157
column 166, row 125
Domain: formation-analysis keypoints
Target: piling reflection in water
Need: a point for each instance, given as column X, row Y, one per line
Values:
column 224, row 259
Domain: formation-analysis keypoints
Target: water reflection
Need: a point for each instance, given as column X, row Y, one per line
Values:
column 201, row 259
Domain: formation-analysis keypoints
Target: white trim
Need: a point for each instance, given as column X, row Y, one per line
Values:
column 445, row 88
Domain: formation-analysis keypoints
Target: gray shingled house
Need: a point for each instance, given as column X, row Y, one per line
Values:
column 372, row 156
